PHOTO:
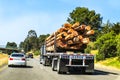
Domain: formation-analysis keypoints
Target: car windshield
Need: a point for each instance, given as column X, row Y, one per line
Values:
column 17, row 55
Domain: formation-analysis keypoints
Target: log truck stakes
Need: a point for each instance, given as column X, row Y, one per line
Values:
column 64, row 49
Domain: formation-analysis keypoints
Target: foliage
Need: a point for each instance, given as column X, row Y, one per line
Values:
column 108, row 41
column 118, row 46
column 95, row 52
column 106, row 45
column 116, row 28
column 37, row 52
column 106, row 28
column 11, row 45
column 21, row 46
column 87, row 50
column 42, row 39
column 100, row 57
column 31, row 33
column 30, row 42
column 87, row 17
column 90, row 47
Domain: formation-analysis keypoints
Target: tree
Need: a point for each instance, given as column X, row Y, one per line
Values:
column 106, row 28
column 85, row 16
column 106, row 45
column 116, row 28
column 42, row 39
column 11, row 45
column 32, row 33
column 21, row 46
column 30, row 42
column 32, row 39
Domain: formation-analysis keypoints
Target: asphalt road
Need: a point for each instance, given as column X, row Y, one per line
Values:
column 36, row 71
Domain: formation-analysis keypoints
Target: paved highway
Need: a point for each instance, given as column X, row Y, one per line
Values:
column 36, row 71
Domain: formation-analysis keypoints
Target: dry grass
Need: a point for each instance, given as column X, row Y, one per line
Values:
column 3, row 59
column 94, row 52
column 113, row 62
column 110, row 63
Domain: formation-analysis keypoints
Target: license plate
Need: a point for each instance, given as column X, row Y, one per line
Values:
column 78, row 57
column 16, row 59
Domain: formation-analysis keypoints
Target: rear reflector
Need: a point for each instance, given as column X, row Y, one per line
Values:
column 23, row 59
column 11, row 59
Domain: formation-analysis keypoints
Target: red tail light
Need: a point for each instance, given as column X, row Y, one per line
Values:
column 11, row 59
column 23, row 59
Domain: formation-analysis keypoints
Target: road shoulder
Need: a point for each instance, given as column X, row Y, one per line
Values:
column 100, row 66
column 3, row 67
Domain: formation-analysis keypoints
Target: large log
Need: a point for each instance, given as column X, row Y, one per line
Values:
column 90, row 32
column 88, row 28
column 70, row 37
column 72, row 31
column 67, row 25
column 75, row 25
column 81, row 27
column 69, row 42
column 59, row 43
column 85, row 40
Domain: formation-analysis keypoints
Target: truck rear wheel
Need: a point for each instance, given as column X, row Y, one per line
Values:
column 54, row 64
column 58, row 67
column 44, row 61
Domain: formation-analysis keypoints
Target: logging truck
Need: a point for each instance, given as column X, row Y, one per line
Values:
column 64, row 49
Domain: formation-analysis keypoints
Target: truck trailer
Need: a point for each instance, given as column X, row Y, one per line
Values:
column 64, row 50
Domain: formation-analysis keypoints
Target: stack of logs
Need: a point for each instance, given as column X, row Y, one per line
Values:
column 69, row 37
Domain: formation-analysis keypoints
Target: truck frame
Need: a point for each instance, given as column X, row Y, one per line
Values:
column 67, row 62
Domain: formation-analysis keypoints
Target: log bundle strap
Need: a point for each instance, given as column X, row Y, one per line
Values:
column 69, row 37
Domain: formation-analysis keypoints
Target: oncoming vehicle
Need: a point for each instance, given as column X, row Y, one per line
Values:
column 18, row 59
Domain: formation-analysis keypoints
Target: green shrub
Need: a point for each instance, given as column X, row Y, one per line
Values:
column 106, row 45
column 118, row 46
column 90, row 47
column 87, row 50
column 99, row 57
column 37, row 52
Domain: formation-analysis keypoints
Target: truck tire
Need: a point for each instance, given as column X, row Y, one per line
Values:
column 44, row 61
column 53, row 65
column 58, row 67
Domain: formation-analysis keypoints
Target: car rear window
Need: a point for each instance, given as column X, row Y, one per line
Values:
column 17, row 55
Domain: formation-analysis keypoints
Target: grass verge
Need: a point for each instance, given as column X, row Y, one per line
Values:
column 3, row 59
column 111, row 62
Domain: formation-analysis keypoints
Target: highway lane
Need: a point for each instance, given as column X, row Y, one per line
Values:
column 36, row 71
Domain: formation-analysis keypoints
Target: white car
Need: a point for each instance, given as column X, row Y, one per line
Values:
column 18, row 59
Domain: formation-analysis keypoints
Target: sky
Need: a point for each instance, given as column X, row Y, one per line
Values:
column 17, row 17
